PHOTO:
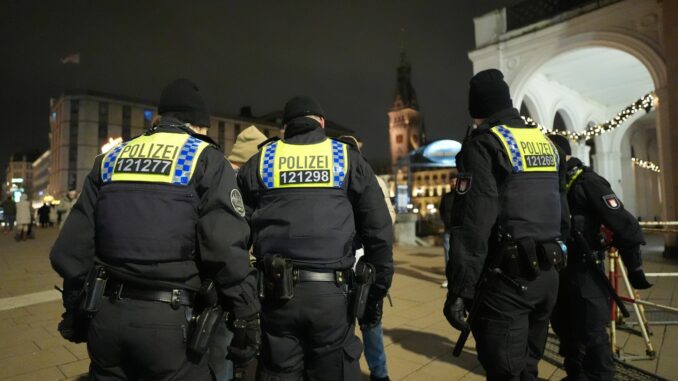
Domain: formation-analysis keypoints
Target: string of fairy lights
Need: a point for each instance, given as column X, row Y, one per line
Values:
column 645, row 164
column 646, row 103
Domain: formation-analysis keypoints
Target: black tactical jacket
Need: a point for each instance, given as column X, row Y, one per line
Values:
column 593, row 203
column 290, row 222
column 478, row 208
column 220, row 232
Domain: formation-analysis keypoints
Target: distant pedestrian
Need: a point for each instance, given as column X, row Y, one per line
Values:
column 43, row 215
column 23, row 218
column 246, row 145
column 53, row 215
column 446, row 215
column 9, row 213
column 65, row 206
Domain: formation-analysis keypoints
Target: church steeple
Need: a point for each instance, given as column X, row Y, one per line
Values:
column 405, row 96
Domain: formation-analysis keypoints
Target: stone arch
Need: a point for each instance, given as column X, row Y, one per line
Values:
column 640, row 48
column 535, row 112
column 619, row 136
column 566, row 115
column 559, row 123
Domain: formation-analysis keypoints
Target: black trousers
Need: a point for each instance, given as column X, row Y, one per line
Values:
column 580, row 320
column 311, row 337
column 140, row 340
column 512, row 327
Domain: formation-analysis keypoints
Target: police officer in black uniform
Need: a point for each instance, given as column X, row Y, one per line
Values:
column 159, row 217
column 309, row 196
column 582, row 312
column 506, row 216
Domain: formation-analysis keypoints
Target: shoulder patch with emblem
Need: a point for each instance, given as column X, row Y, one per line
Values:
column 612, row 202
column 463, row 183
column 237, row 203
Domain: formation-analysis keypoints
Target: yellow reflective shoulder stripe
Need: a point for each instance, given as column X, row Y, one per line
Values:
column 529, row 150
column 321, row 165
column 574, row 178
column 158, row 158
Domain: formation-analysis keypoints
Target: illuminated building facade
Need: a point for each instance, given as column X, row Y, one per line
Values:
column 19, row 175
column 424, row 175
column 41, row 167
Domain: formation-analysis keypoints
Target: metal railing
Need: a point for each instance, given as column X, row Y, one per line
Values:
column 529, row 12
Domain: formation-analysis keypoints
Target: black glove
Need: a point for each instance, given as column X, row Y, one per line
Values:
column 638, row 280
column 74, row 326
column 455, row 312
column 374, row 310
column 74, row 322
column 246, row 340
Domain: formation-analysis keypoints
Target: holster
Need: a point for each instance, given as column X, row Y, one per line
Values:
column 510, row 258
column 205, row 323
column 364, row 278
column 278, row 279
column 529, row 263
column 95, row 285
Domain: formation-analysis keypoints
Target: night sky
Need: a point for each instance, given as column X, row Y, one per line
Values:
column 257, row 53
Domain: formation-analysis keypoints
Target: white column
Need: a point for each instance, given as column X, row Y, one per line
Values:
column 608, row 165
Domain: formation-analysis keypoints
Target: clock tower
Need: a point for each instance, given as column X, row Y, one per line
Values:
column 404, row 118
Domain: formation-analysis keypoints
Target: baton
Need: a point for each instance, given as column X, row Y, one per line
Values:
column 477, row 302
column 581, row 241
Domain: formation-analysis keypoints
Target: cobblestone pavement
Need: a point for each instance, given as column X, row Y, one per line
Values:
column 418, row 339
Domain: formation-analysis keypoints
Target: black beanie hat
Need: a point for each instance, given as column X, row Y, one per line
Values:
column 561, row 142
column 301, row 106
column 181, row 99
column 488, row 94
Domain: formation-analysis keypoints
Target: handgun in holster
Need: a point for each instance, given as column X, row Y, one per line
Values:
column 205, row 323
column 364, row 278
column 278, row 278
column 511, row 259
column 94, row 289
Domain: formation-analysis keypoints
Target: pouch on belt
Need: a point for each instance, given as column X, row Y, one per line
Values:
column 278, row 278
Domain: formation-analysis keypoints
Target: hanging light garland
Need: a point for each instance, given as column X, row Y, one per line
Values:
column 647, row 103
column 645, row 164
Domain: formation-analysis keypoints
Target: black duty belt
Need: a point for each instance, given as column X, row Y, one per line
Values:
column 175, row 297
column 303, row 275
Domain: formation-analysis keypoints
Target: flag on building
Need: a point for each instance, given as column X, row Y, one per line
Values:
column 73, row 58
